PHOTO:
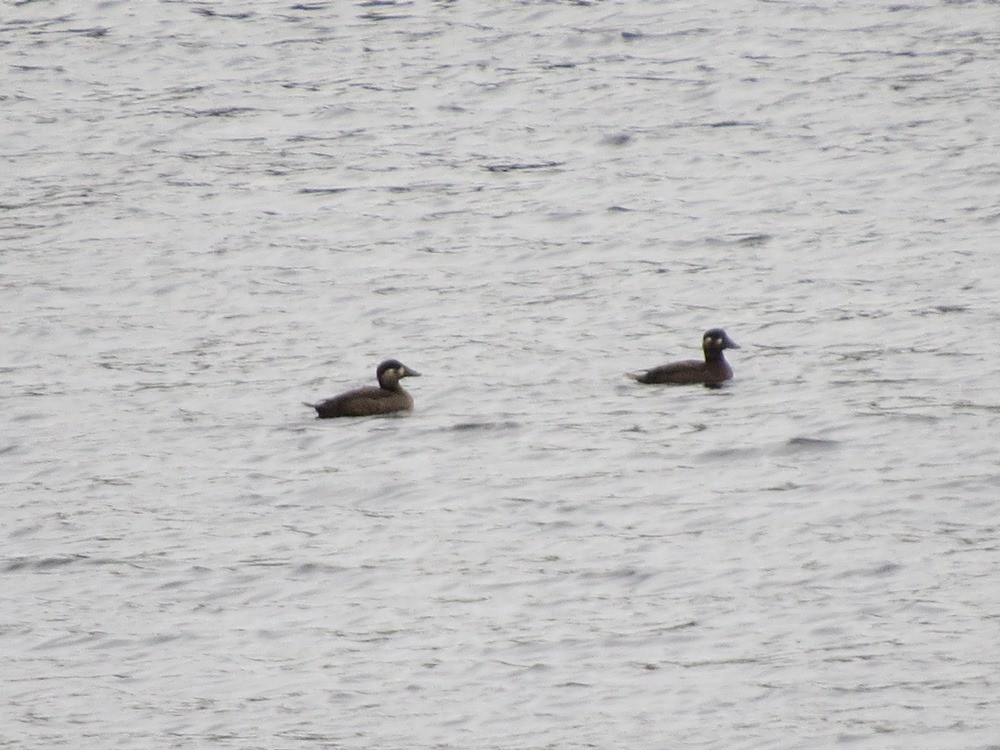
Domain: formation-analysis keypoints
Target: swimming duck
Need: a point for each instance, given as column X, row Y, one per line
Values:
column 712, row 372
column 364, row 402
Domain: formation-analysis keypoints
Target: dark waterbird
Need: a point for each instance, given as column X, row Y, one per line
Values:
column 364, row 402
column 712, row 372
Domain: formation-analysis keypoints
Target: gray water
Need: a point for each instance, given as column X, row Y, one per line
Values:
column 212, row 212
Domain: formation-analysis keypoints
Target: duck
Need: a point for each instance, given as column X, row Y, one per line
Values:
column 712, row 372
column 389, row 397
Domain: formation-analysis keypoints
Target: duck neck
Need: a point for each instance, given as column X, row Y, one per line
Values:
column 714, row 355
column 388, row 383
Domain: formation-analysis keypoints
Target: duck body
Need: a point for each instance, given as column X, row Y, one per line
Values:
column 389, row 397
column 713, row 371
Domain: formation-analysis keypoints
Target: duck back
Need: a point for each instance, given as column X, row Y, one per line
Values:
column 681, row 373
column 364, row 402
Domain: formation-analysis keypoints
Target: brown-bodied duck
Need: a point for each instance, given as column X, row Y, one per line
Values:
column 364, row 402
column 712, row 372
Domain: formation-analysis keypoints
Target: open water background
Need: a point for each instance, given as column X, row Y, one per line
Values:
column 210, row 212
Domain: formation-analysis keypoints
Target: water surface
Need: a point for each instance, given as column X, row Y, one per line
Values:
column 212, row 213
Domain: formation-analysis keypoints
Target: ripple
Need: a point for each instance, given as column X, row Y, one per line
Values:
column 526, row 199
column 796, row 444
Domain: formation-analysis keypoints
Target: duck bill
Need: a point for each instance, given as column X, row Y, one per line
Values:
column 407, row 372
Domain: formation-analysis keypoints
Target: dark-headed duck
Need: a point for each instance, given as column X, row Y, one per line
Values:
column 712, row 372
column 363, row 402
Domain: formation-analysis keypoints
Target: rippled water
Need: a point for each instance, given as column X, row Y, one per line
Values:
column 210, row 213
